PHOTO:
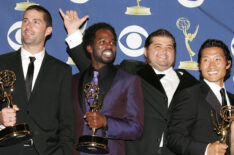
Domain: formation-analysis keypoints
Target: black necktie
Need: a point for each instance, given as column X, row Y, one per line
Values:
column 222, row 92
column 29, row 76
column 160, row 76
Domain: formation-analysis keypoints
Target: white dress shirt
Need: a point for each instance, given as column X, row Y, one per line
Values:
column 37, row 63
column 74, row 39
column 216, row 90
column 170, row 82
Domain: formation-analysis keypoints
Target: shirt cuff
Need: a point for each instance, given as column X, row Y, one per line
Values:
column 74, row 39
column 2, row 127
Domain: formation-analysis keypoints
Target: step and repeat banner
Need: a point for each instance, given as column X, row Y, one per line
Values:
column 190, row 21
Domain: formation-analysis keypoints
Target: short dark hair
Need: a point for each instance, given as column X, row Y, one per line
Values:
column 90, row 33
column 47, row 17
column 216, row 43
column 159, row 33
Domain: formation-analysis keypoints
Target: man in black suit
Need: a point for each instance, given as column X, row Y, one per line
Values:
column 47, row 105
column 190, row 130
column 158, row 93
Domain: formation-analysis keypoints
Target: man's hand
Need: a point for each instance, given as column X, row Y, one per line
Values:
column 217, row 148
column 8, row 116
column 95, row 120
column 72, row 22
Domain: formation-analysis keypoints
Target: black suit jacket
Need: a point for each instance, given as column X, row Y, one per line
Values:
column 48, row 112
column 155, row 102
column 156, row 113
column 190, row 127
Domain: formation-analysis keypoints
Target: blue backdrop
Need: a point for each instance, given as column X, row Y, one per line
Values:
column 190, row 21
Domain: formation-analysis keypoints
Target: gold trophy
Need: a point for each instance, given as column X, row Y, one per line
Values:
column 22, row 6
column 138, row 10
column 183, row 24
column 92, row 143
column 221, row 128
column 20, row 132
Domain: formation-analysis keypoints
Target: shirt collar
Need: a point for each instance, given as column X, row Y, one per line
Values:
column 166, row 72
column 25, row 54
column 214, row 87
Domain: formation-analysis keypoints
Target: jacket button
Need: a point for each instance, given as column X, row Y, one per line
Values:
column 27, row 112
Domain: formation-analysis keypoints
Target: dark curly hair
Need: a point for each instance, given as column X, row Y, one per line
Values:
column 90, row 33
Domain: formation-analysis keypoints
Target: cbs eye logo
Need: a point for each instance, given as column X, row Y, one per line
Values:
column 14, row 35
column 131, row 40
column 191, row 4
column 79, row 1
column 232, row 46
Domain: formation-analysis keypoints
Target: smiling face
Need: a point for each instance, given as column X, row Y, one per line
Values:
column 34, row 30
column 213, row 65
column 161, row 53
column 103, row 50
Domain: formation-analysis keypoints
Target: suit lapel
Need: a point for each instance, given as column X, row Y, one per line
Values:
column 181, row 84
column 147, row 73
column 20, row 76
column 151, row 82
column 44, row 66
column 231, row 98
column 81, row 97
column 211, row 98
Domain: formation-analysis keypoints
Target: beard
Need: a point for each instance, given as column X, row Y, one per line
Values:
column 101, row 58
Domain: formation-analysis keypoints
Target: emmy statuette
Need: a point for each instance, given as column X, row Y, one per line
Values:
column 92, row 143
column 221, row 128
column 13, row 134
column 183, row 24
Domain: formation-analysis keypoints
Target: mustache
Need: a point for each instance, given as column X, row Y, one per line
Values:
column 109, row 49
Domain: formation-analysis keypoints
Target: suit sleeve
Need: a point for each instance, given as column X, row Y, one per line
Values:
column 130, row 126
column 181, row 123
column 66, row 115
column 80, row 57
column 131, row 66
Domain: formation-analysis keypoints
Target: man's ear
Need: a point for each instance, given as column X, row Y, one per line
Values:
column 228, row 64
column 89, row 49
column 145, row 52
column 48, row 31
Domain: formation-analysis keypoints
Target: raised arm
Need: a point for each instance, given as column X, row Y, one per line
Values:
column 72, row 23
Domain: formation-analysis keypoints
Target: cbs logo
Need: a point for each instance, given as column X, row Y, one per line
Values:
column 232, row 46
column 131, row 40
column 14, row 35
column 191, row 4
column 232, row 49
column 79, row 1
